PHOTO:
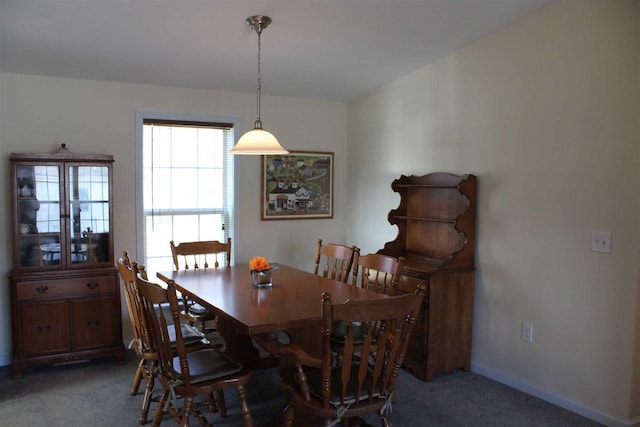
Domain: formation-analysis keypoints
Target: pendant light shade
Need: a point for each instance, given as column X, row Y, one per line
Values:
column 258, row 141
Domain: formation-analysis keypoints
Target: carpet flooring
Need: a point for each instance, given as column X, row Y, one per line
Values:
column 96, row 394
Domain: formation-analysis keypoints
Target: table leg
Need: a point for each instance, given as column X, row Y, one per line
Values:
column 242, row 349
column 239, row 347
column 308, row 338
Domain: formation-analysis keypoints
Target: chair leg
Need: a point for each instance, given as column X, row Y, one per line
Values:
column 186, row 411
column 201, row 418
column 289, row 414
column 146, row 400
column 244, row 407
column 137, row 377
column 157, row 417
column 221, row 404
column 211, row 403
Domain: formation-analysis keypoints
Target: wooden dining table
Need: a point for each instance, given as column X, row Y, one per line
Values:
column 292, row 304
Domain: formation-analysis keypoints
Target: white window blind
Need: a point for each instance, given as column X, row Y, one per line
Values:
column 186, row 184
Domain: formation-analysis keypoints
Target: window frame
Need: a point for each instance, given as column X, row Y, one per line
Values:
column 195, row 119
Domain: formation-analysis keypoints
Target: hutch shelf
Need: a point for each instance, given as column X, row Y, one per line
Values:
column 436, row 235
column 65, row 297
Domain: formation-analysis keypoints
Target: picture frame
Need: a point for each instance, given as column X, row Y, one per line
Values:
column 298, row 185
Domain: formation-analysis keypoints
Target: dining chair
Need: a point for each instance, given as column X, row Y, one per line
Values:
column 141, row 343
column 187, row 376
column 197, row 253
column 334, row 261
column 366, row 380
column 376, row 272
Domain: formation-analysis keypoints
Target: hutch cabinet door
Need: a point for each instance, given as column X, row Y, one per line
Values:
column 38, row 215
column 92, row 323
column 44, row 327
column 88, row 195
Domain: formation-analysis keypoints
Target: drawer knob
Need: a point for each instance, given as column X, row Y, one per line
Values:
column 93, row 323
column 92, row 285
column 44, row 329
column 42, row 289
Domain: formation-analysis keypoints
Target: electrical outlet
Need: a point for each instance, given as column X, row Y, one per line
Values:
column 527, row 332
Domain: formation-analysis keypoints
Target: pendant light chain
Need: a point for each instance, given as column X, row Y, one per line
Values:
column 258, row 141
column 258, row 123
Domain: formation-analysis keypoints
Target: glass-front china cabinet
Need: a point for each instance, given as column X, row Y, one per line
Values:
column 65, row 298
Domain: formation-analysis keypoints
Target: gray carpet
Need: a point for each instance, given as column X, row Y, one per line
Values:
column 96, row 394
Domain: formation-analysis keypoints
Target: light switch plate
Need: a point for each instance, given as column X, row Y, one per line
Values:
column 601, row 241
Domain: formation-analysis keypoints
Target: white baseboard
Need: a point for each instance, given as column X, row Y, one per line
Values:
column 586, row 412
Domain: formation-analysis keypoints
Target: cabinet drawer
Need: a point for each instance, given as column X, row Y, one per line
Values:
column 56, row 288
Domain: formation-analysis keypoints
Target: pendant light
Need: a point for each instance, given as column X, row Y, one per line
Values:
column 258, row 140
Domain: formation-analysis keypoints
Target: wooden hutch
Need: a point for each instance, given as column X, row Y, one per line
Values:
column 436, row 235
column 64, row 287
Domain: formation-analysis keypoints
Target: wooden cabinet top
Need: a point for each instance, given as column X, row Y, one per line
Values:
column 436, row 222
column 62, row 155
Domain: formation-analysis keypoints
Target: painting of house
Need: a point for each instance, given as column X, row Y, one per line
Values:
column 297, row 185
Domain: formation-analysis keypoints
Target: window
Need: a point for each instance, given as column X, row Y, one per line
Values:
column 185, row 190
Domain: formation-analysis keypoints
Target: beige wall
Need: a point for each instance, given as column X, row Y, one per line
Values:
column 38, row 113
column 546, row 114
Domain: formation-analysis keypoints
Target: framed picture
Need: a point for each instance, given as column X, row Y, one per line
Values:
column 298, row 185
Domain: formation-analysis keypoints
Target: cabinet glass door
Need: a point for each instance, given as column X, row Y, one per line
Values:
column 89, row 214
column 38, row 215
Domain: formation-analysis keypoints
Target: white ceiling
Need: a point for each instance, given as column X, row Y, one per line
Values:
column 326, row 49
